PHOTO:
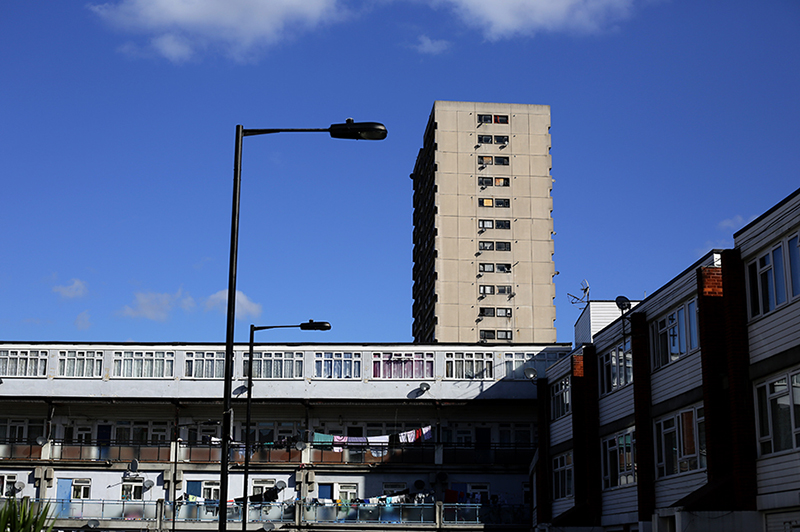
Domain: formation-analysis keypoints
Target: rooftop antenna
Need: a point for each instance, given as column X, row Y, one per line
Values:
column 584, row 298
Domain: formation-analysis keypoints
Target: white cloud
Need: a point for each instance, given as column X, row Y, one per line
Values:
column 179, row 29
column 499, row 19
column 82, row 322
column 731, row 224
column 156, row 307
column 244, row 307
column 72, row 291
column 426, row 45
column 240, row 27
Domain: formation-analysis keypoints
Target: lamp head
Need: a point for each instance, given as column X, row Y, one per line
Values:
column 358, row 130
column 312, row 325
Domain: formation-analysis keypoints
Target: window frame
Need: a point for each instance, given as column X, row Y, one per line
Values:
column 485, row 224
column 482, row 139
column 674, row 334
column 773, row 277
column 616, row 367
column 502, row 203
column 484, row 119
column 506, row 312
column 501, row 119
column 560, row 398
column 216, row 359
column 138, row 362
column 502, row 224
column 485, row 245
column 403, row 365
column 563, row 477
column 486, row 267
column 338, row 365
column 778, row 435
column 464, row 365
column 502, row 246
column 90, row 363
column 502, row 140
column 485, row 160
column 26, row 363
column 672, row 432
column 273, row 365
column 621, row 470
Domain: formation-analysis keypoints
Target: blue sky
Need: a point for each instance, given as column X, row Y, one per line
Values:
column 673, row 124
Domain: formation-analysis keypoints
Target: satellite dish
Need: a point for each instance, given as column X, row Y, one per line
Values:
column 240, row 390
column 93, row 523
column 19, row 485
column 424, row 387
column 41, row 440
column 133, row 467
column 623, row 303
column 419, row 484
column 300, row 445
column 530, row 373
column 280, row 484
column 267, row 526
column 148, row 484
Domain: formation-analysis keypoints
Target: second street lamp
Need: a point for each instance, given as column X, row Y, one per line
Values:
column 348, row 130
column 310, row 325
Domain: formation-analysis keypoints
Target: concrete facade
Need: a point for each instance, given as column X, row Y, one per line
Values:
column 483, row 248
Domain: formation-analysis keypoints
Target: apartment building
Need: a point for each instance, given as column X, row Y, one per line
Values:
column 483, row 248
column 681, row 413
column 127, row 436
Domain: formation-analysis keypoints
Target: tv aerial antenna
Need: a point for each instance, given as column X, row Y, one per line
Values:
column 584, row 298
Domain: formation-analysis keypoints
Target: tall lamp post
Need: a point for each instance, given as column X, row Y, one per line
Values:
column 310, row 325
column 348, row 130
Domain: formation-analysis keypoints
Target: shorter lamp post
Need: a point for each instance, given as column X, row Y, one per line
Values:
column 310, row 325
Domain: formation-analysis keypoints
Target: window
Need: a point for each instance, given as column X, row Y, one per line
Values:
column 487, row 312
column 502, row 182
column 82, row 488
column 794, row 265
column 502, row 203
column 487, row 335
column 503, row 267
column 779, row 413
column 476, row 366
column 616, row 368
column 7, row 488
column 560, row 404
column 142, row 432
column 260, row 485
column 281, row 365
column 486, row 246
column 390, row 488
column 23, row 363
column 484, row 139
column 402, row 365
column 619, row 460
column 669, row 334
column 337, row 365
column 504, row 335
column 486, row 289
column 681, row 442
column 485, row 181
column 485, row 202
column 504, row 289
column 486, row 267
column 200, row 365
column 484, row 160
column 562, row 476
column 503, row 312
column 20, row 430
column 501, row 119
column 132, row 489
column 484, row 119
column 485, row 224
column 346, row 492
column 146, row 364
column 502, row 161
column 80, row 363
column 78, row 434
column 774, row 277
column 518, row 433
column 501, row 139
column 502, row 224
column 503, row 246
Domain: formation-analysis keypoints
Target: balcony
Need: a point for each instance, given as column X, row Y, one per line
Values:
column 420, row 453
column 159, row 514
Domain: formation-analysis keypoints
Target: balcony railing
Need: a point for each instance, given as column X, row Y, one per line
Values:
column 264, row 453
column 450, row 515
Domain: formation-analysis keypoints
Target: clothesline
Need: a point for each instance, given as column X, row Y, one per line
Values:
column 409, row 436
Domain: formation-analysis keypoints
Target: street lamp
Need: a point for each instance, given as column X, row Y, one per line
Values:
column 310, row 325
column 348, row 130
